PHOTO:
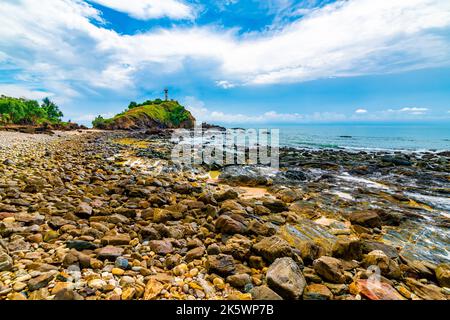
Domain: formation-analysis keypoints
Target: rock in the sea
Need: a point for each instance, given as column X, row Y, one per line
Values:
column 264, row 293
column 317, row 291
column 272, row 248
column 6, row 262
column 329, row 269
column 443, row 275
column 285, row 278
column 221, row 264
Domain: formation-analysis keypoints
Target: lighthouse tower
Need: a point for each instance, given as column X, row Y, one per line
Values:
column 166, row 94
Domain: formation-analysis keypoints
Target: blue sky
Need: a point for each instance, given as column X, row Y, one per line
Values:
column 233, row 61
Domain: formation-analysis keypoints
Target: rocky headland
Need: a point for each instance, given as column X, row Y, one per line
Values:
column 106, row 215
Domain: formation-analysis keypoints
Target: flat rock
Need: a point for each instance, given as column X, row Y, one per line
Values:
column 109, row 252
column 272, row 248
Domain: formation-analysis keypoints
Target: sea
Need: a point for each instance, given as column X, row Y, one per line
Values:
column 408, row 137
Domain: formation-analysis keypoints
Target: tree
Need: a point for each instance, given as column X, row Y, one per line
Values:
column 99, row 122
column 132, row 105
column 52, row 110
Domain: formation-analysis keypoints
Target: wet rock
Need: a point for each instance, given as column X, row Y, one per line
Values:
column 317, row 292
column 442, row 275
column 272, row 248
column 285, row 278
column 221, row 264
column 347, row 249
column 264, row 293
column 397, row 161
column 329, row 269
column 368, row 219
column 368, row 246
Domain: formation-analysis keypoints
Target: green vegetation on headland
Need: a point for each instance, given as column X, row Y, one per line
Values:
column 21, row 111
column 156, row 114
column 20, row 114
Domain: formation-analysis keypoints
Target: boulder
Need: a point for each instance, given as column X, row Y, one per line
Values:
column 330, row 269
column 239, row 280
column 285, row 278
column 272, row 248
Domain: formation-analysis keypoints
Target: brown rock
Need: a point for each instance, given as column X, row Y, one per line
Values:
column 40, row 281
column 329, row 269
column 116, row 240
column 272, row 248
column 221, row 264
column 366, row 219
column 317, row 292
column 161, row 247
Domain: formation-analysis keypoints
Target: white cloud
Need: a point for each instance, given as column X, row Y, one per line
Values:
column 150, row 9
column 12, row 90
column 361, row 111
column 61, row 46
column 203, row 114
column 225, row 84
column 410, row 110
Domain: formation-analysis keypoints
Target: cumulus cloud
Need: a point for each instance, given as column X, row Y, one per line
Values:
column 150, row 9
column 61, row 43
column 203, row 114
column 361, row 111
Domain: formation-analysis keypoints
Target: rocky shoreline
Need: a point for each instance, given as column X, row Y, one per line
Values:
column 106, row 215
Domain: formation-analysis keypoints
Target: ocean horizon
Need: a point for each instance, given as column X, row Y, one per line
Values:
column 394, row 136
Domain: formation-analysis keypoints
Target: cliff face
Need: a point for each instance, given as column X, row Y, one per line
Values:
column 162, row 115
